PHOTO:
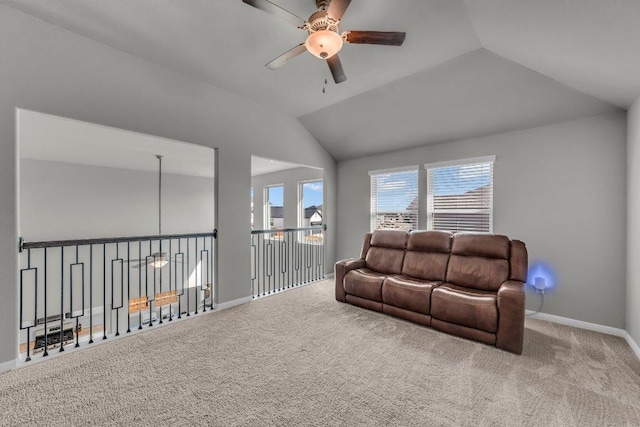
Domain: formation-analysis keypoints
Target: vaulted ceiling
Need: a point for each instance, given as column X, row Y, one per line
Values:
column 467, row 68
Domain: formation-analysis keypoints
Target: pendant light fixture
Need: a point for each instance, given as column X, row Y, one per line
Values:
column 159, row 258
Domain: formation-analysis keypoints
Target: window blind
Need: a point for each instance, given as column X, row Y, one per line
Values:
column 460, row 197
column 394, row 199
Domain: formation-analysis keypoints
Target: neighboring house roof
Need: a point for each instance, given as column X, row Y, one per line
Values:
column 413, row 206
column 311, row 210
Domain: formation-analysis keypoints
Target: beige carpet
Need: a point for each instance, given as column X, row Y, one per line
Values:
column 301, row 358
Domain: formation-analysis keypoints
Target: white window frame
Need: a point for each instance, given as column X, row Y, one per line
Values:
column 373, row 198
column 461, row 162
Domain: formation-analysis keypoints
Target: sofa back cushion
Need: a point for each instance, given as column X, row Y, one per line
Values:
column 427, row 255
column 366, row 245
column 479, row 261
column 518, row 261
column 386, row 251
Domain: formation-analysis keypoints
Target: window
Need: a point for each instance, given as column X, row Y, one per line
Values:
column 460, row 195
column 311, row 214
column 274, row 207
column 394, row 198
column 311, row 203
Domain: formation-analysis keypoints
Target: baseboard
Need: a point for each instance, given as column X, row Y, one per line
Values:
column 233, row 303
column 632, row 344
column 7, row 366
column 588, row 326
column 329, row 276
column 578, row 323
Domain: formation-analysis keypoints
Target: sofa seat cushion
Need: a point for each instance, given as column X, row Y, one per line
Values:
column 408, row 293
column 466, row 307
column 364, row 283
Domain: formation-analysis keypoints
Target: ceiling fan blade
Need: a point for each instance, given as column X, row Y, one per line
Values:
column 274, row 9
column 389, row 38
column 336, row 69
column 337, row 8
column 290, row 54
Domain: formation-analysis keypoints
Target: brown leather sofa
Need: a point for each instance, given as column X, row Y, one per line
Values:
column 466, row 284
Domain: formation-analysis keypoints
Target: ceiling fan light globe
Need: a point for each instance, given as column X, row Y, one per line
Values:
column 324, row 44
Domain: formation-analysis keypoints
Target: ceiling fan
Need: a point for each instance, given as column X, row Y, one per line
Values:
column 323, row 40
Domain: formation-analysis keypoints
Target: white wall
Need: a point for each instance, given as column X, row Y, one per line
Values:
column 633, row 222
column 47, row 69
column 561, row 189
column 290, row 179
column 67, row 201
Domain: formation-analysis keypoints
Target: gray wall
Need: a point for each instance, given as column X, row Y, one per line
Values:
column 561, row 189
column 633, row 222
column 290, row 179
column 47, row 69
column 68, row 201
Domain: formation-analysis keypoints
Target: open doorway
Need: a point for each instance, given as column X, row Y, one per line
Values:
column 117, row 228
column 287, row 225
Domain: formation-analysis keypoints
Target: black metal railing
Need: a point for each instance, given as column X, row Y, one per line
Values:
column 108, row 283
column 285, row 258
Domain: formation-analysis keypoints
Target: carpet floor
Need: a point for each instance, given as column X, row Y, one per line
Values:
column 301, row 358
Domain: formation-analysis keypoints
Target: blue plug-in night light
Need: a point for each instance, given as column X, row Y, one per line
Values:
column 541, row 277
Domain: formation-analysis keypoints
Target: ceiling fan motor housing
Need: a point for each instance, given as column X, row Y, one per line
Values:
column 321, row 21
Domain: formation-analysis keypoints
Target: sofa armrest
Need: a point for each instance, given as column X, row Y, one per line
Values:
column 342, row 268
column 511, row 300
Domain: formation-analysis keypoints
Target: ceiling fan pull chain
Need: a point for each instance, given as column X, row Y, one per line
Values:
column 324, row 76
